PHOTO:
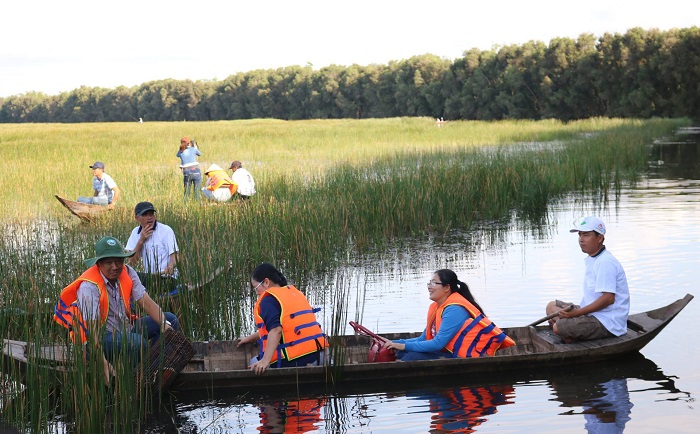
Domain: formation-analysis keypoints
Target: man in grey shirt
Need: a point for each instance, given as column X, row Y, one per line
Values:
column 102, row 296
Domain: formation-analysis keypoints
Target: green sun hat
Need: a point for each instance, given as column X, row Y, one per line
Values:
column 108, row 247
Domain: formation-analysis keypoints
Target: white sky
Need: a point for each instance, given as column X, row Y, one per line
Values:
column 53, row 46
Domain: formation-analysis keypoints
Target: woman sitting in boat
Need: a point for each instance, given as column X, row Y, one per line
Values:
column 456, row 326
column 288, row 332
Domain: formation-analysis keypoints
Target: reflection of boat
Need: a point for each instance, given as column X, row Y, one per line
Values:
column 83, row 211
column 221, row 364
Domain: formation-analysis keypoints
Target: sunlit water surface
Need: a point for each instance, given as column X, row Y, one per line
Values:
column 653, row 229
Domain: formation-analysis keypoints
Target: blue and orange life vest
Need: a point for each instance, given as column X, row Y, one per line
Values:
column 477, row 337
column 301, row 333
column 67, row 313
column 219, row 178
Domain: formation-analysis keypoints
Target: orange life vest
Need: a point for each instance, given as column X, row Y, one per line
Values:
column 219, row 178
column 477, row 337
column 301, row 333
column 67, row 313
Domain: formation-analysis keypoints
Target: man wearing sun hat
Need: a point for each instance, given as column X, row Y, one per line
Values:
column 96, row 307
column 219, row 186
column 105, row 189
column 606, row 299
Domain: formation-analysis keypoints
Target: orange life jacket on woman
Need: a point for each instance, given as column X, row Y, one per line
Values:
column 477, row 337
column 67, row 313
column 219, row 178
column 301, row 333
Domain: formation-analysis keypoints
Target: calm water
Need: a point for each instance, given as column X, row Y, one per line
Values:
column 653, row 229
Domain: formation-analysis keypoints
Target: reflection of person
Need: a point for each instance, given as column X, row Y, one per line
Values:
column 105, row 189
column 99, row 302
column 219, row 186
column 154, row 243
column 605, row 400
column 456, row 325
column 609, row 412
column 288, row 332
column 464, row 408
column 244, row 180
column 294, row 416
column 192, row 176
column 606, row 299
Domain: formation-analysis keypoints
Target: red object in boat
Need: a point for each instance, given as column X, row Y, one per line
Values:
column 377, row 352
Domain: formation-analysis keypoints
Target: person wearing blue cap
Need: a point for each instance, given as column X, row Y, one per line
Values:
column 606, row 298
column 105, row 190
column 97, row 307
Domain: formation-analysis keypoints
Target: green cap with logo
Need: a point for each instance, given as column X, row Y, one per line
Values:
column 108, row 247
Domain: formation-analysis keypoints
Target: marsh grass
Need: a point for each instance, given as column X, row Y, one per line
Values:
column 329, row 192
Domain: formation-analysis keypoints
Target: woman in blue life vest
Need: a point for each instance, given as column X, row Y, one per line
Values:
column 288, row 333
column 456, row 325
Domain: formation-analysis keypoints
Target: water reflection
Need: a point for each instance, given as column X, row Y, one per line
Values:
column 291, row 416
column 463, row 409
column 601, row 394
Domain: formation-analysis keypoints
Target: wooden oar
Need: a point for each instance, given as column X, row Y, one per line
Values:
column 548, row 317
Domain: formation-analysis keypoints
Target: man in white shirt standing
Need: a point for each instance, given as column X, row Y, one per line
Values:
column 155, row 244
column 606, row 298
column 244, row 180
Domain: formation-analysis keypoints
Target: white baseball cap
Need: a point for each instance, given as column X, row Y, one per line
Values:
column 588, row 224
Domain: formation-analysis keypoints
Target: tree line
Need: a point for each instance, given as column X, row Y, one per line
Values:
column 642, row 73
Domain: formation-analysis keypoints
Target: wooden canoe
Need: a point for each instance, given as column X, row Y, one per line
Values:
column 221, row 364
column 83, row 211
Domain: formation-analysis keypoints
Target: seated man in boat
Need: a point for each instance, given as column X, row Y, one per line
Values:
column 456, row 325
column 243, row 179
column 219, row 186
column 606, row 298
column 154, row 243
column 105, row 189
column 288, row 332
column 96, row 307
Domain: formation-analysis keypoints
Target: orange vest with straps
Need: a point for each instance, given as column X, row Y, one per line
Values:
column 477, row 337
column 67, row 312
column 219, row 178
column 301, row 333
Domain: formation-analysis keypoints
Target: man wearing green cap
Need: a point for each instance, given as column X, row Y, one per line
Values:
column 99, row 301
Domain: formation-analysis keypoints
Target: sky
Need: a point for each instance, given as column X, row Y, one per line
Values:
column 54, row 46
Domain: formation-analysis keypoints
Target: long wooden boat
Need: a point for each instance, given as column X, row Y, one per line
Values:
column 83, row 211
column 222, row 364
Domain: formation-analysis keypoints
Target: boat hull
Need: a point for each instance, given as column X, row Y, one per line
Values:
column 83, row 211
column 223, row 364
